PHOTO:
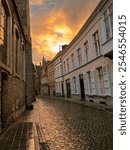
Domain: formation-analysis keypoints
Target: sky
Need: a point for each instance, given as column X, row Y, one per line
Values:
column 55, row 23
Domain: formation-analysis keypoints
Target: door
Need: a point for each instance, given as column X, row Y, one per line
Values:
column 62, row 89
column 68, row 88
column 82, row 90
column 4, row 94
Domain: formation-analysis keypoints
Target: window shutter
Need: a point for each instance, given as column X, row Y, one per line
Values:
column 76, row 62
column 56, row 87
column 106, row 80
column 96, row 82
column 65, row 87
column 72, row 88
column 92, row 74
column 103, row 29
column 88, row 84
column 85, row 83
column 59, row 87
column 77, row 84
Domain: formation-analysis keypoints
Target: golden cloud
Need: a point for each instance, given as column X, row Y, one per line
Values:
column 36, row 2
column 55, row 23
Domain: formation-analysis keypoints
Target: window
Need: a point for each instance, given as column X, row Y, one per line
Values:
column 111, row 17
column 86, row 50
column 64, row 68
column 72, row 61
column 3, row 35
column 17, row 46
column 96, row 44
column 100, row 80
column 89, row 82
column 23, row 62
column 79, row 57
column 60, row 70
column 68, row 64
column 108, row 21
column 74, row 81
column 56, row 72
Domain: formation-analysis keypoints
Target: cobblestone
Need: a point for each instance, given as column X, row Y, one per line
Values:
column 69, row 126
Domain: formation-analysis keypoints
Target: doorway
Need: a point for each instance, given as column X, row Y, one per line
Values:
column 68, row 88
column 4, row 96
column 82, row 91
column 62, row 89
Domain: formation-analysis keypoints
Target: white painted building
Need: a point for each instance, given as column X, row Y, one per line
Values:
column 59, row 75
column 87, row 61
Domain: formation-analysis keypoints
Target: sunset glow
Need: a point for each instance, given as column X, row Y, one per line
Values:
column 55, row 23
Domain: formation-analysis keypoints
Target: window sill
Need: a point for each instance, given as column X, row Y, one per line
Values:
column 5, row 67
column 107, row 40
column 17, row 76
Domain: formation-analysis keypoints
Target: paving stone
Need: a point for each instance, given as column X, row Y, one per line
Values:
column 69, row 126
column 18, row 137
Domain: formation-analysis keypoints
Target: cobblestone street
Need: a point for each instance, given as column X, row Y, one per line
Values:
column 68, row 126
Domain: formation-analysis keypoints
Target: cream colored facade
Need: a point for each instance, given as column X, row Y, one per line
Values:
column 87, row 61
column 59, row 75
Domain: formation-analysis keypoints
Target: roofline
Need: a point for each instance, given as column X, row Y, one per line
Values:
column 56, row 56
column 88, row 21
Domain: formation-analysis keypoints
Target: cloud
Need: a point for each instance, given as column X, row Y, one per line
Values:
column 36, row 2
column 55, row 22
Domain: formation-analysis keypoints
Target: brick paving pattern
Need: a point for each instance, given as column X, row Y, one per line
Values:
column 18, row 137
column 67, row 126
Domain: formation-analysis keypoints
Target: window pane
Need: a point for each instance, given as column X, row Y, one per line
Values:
column 107, row 28
column 86, row 50
column 96, row 44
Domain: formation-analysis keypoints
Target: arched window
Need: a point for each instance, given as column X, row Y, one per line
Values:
column 23, row 62
column 17, row 48
column 4, row 33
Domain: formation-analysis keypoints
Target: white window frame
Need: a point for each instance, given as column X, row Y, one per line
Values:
column 96, row 43
column 74, row 84
column 99, row 74
column 72, row 61
column 68, row 67
column 86, row 46
column 110, row 23
column 79, row 57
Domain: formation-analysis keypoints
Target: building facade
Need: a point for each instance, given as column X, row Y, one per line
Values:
column 37, row 74
column 44, row 78
column 58, row 75
column 84, row 68
column 51, row 78
column 87, row 61
column 24, row 14
column 15, row 60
